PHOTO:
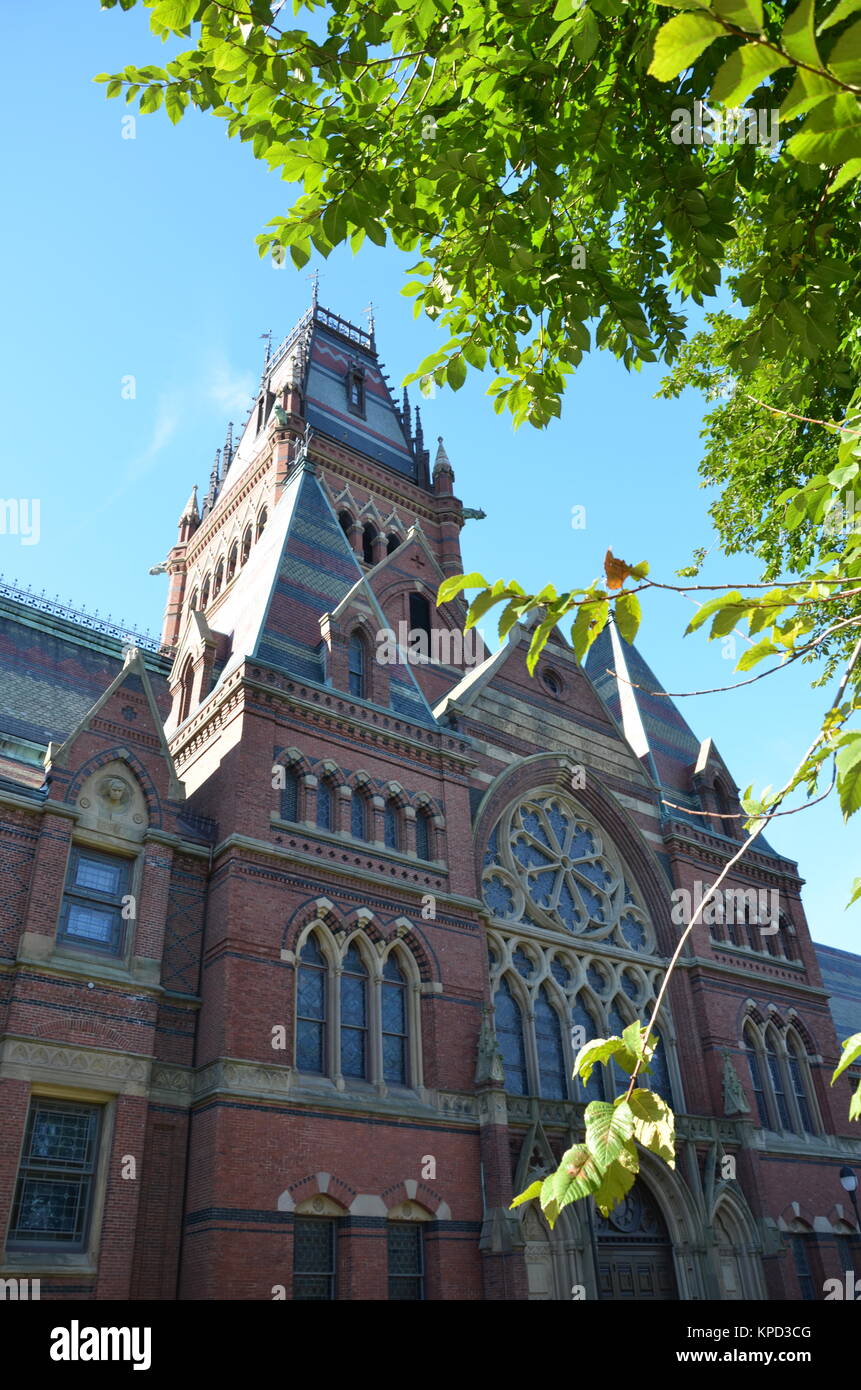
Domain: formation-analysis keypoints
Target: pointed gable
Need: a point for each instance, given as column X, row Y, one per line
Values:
column 302, row 568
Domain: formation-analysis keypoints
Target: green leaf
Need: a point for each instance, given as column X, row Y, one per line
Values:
column 617, row 1181
column 742, row 72
column 714, row 605
column 455, row 373
column 855, row 1104
column 590, row 621
column 797, row 35
column 845, row 57
column 849, row 774
column 753, row 655
column 851, row 1052
column 456, row 583
column 479, row 606
column 607, row 1128
column 680, row 42
column 577, row 1175
column 654, row 1124
column 747, row 14
column 229, row 57
column 806, row 91
column 534, row 1190
column 831, row 133
column 628, row 615
column 856, row 892
column 841, row 11
column 598, row 1050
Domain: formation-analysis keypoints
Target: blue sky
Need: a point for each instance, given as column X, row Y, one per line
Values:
column 136, row 257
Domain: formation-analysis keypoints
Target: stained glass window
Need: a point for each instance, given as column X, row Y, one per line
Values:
column 617, row 1078
column 423, row 835
column 55, row 1178
column 324, row 804
column 509, row 1033
column 406, row 1263
column 548, row 864
column 313, row 1259
column 756, row 1081
column 800, row 1246
column 796, row 1074
column 290, row 795
column 776, row 1074
column 356, row 662
column 394, row 1012
column 391, row 835
column 560, row 973
column 92, row 908
column 658, row 1076
column 354, row 1015
column 522, row 964
column 359, row 816
column 551, row 1056
column 311, row 1009
column 583, row 1030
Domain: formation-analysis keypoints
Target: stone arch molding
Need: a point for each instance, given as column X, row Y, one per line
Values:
column 113, row 798
column 323, row 1194
column 636, row 880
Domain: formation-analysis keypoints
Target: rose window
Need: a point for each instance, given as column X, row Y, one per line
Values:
column 550, row 865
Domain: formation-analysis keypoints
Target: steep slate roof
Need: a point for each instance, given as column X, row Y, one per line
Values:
column 841, row 976
column 652, row 724
column 670, row 742
column 317, row 355
column 381, row 434
column 302, row 567
column 53, row 670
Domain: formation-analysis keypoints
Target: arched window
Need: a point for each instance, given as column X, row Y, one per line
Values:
column 775, row 1072
column 754, row 1062
column 394, row 1016
column 354, row 1015
column 359, row 817
column 392, row 543
column 311, row 1008
column 246, row 545
column 356, row 665
column 345, row 521
column 218, row 579
column 551, row 1057
column 583, row 1030
column 420, row 616
column 723, row 807
column 797, row 1075
column 290, row 795
column 192, row 602
column 186, row 686
column 658, row 1076
column 261, row 521
column 325, row 809
column 391, row 826
column 509, row 1033
column 423, row 834
column 369, row 535
column 232, row 561
column 204, row 594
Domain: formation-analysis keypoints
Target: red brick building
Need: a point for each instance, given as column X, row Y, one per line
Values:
column 307, row 908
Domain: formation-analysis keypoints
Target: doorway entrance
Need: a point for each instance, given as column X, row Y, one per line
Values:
column 635, row 1257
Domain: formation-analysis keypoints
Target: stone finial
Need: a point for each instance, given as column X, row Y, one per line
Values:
column 190, row 511
column 442, row 462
